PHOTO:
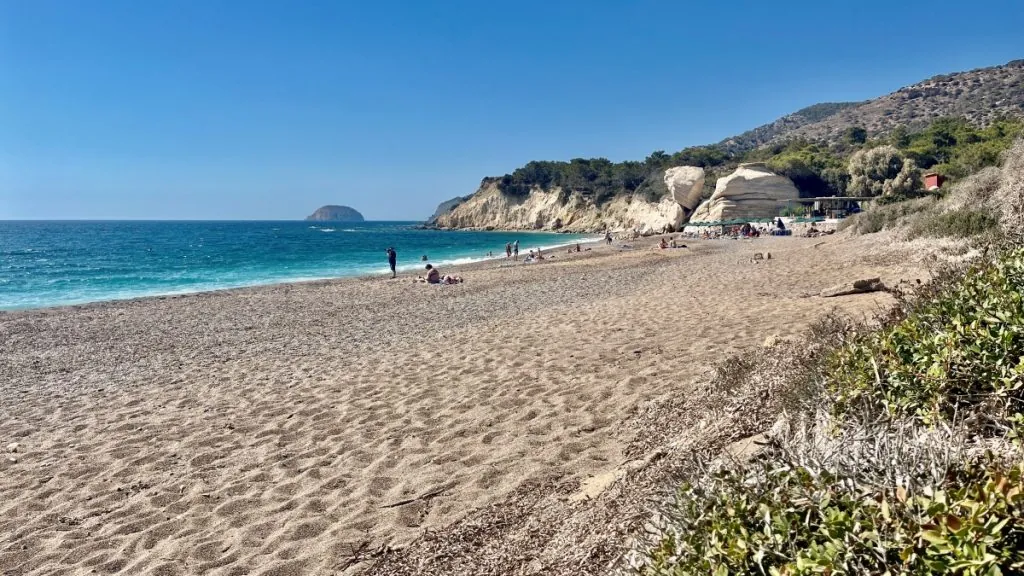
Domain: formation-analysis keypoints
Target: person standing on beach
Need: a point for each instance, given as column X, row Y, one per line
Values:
column 515, row 250
column 508, row 249
column 392, row 260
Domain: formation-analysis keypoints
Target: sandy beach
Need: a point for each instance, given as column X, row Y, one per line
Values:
column 294, row 429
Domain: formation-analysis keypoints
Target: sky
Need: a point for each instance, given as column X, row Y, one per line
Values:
column 211, row 109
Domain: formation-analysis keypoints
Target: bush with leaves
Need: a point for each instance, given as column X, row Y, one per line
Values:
column 777, row 517
column 882, row 171
column 959, row 351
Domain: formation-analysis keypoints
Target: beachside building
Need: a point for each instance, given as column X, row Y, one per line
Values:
column 830, row 206
column 933, row 181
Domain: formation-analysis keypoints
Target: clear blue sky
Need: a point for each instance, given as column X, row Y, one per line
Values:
column 268, row 109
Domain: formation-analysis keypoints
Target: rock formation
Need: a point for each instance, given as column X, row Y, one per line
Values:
column 752, row 191
column 333, row 213
column 685, row 183
column 446, row 207
column 489, row 208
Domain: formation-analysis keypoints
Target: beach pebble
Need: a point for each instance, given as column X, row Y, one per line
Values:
column 12, row 459
column 13, row 447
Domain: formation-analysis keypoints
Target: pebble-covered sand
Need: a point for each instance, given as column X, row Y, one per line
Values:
column 289, row 429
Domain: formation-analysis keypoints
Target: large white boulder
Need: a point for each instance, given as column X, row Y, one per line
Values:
column 752, row 191
column 685, row 183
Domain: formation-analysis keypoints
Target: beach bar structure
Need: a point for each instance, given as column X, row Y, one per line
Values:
column 830, row 206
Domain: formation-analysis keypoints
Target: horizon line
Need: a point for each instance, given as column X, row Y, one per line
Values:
column 197, row 220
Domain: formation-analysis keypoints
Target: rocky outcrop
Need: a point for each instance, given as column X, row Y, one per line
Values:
column 685, row 183
column 752, row 191
column 489, row 208
column 331, row 213
column 446, row 207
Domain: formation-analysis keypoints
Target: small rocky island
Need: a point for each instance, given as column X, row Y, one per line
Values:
column 332, row 213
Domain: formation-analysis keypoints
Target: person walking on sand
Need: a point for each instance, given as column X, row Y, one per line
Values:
column 392, row 260
column 515, row 250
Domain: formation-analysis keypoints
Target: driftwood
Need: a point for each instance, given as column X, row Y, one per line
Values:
column 856, row 287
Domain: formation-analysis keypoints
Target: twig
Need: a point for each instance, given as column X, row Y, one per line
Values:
column 356, row 555
column 424, row 496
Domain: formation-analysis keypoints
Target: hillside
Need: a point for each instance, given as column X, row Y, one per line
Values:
column 447, row 206
column 980, row 96
column 785, row 126
column 954, row 124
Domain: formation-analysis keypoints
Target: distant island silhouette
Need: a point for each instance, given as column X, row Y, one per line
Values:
column 332, row 213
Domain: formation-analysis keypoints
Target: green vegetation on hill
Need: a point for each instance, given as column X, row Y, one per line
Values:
column 603, row 179
column 955, row 148
column 812, row 146
column 950, row 146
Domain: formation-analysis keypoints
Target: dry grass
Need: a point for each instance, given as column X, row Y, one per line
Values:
column 1010, row 194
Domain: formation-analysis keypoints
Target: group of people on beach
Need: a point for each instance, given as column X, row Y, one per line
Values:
column 433, row 275
column 512, row 250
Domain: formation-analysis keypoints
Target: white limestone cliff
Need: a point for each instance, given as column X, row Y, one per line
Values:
column 752, row 191
column 489, row 208
column 685, row 183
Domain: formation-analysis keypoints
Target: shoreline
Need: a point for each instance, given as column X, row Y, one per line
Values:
column 460, row 263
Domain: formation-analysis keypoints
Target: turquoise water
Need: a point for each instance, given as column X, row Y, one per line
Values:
column 56, row 263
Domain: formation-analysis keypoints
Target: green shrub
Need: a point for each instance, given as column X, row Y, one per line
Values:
column 785, row 518
column 957, row 352
column 884, row 216
column 963, row 223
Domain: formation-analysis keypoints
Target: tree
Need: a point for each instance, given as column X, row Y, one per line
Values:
column 701, row 156
column 811, row 168
column 657, row 159
column 900, row 137
column 856, row 135
column 882, row 171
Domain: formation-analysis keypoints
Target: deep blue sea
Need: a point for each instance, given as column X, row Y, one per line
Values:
column 56, row 263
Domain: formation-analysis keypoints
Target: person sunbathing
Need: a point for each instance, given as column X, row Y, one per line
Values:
column 433, row 276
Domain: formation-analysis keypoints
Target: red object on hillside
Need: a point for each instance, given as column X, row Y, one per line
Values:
column 933, row 181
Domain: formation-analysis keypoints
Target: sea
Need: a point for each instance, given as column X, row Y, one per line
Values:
column 45, row 264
